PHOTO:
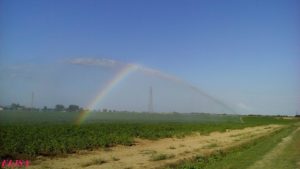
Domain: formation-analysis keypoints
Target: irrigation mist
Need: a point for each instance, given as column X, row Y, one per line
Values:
column 213, row 104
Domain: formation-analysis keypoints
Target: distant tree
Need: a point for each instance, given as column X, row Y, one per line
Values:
column 14, row 106
column 104, row 110
column 59, row 107
column 45, row 108
column 73, row 107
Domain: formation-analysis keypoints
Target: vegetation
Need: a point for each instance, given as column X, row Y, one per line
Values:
column 32, row 138
column 158, row 157
column 240, row 157
column 60, row 107
column 289, row 158
column 57, row 116
column 94, row 162
column 115, row 158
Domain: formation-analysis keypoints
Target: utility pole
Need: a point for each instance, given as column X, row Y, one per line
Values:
column 150, row 106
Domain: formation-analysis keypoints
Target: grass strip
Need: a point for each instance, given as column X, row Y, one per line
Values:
column 290, row 156
column 239, row 157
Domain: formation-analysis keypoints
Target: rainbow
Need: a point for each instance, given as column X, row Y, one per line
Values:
column 121, row 75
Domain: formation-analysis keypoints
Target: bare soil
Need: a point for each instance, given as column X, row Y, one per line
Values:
column 150, row 154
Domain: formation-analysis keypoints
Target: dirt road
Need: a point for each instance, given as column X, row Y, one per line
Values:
column 155, row 154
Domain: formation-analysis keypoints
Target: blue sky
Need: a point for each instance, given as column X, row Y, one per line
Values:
column 245, row 53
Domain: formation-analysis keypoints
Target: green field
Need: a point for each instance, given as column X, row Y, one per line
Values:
column 70, row 117
column 53, row 133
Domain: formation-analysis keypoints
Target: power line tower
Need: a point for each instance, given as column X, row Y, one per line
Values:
column 150, row 105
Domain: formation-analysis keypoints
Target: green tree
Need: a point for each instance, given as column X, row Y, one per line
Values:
column 73, row 107
column 59, row 107
column 45, row 108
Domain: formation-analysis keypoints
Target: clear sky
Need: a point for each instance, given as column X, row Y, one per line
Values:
column 245, row 53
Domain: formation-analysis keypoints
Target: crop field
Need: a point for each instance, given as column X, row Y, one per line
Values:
column 54, row 136
column 114, row 84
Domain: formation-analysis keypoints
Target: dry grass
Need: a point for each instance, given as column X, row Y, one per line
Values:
column 97, row 161
column 172, row 147
column 158, row 157
column 211, row 145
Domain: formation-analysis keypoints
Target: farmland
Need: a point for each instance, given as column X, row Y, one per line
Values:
column 55, row 134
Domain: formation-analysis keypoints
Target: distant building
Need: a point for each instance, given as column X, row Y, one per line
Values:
column 1, row 108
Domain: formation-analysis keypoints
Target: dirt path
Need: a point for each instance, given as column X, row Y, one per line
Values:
column 155, row 154
column 269, row 158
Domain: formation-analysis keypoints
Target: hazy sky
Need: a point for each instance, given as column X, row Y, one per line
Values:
column 245, row 53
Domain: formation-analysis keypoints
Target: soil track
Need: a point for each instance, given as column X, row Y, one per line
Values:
column 155, row 154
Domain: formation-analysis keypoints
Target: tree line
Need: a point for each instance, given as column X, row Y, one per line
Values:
column 58, row 107
column 61, row 107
